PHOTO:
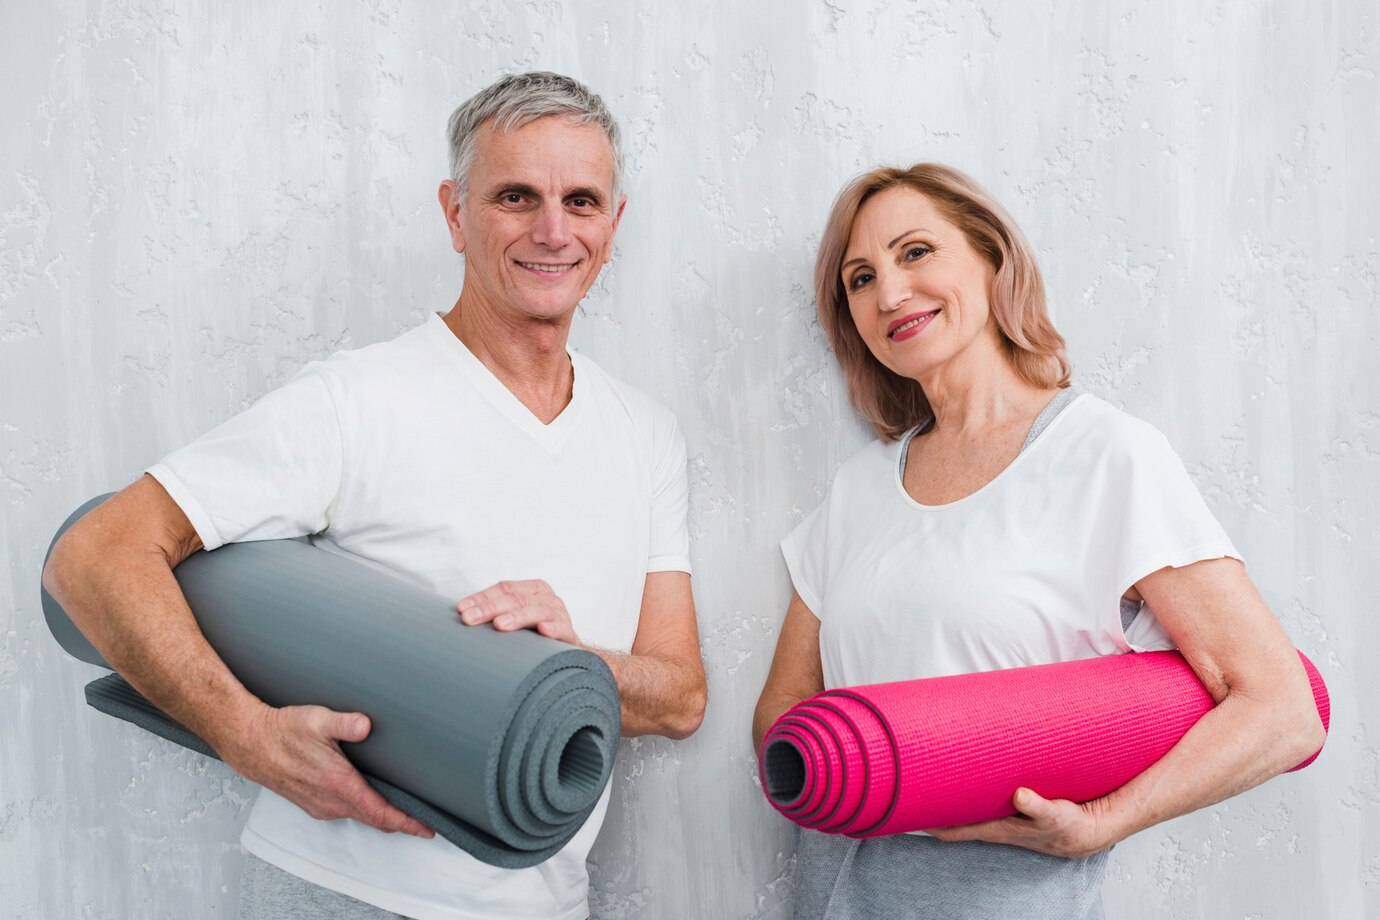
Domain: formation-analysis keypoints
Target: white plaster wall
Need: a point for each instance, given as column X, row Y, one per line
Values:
column 197, row 198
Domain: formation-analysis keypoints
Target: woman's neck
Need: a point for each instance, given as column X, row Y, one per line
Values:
column 978, row 390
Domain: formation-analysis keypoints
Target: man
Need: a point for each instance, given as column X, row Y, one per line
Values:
column 471, row 449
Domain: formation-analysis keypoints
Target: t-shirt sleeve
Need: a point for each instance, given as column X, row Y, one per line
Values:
column 806, row 552
column 669, row 547
column 1163, row 521
column 271, row 472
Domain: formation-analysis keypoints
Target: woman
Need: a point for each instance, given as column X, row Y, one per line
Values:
column 1002, row 520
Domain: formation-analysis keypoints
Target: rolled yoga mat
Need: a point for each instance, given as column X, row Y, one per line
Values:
column 914, row 755
column 500, row 742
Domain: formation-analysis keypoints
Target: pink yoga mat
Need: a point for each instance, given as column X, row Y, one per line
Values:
column 906, row 756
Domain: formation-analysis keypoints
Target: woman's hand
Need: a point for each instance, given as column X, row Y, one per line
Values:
column 1265, row 720
column 1056, row 827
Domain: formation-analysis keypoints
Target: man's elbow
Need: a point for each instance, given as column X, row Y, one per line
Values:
column 63, row 566
column 690, row 715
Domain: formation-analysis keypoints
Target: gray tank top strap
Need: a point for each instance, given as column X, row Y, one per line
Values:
column 1056, row 405
column 1047, row 414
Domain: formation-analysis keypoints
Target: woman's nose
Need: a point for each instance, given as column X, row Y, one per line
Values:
column 893, row 290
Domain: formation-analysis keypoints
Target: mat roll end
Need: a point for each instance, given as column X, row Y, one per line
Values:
column 582, row 763
column 783, row 771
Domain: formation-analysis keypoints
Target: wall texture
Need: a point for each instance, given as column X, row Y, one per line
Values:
column 197, row 198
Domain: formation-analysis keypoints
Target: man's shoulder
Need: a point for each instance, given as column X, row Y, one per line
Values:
column 639, row 406
column 386, row 365
column 403, row 349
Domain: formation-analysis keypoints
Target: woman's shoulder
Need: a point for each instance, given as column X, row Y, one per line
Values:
column 865, row 462
column 1103, row 429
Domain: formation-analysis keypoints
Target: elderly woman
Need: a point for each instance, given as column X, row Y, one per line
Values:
column 1003, row 520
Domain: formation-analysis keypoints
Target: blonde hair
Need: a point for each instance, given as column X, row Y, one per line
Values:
column 1034, row 348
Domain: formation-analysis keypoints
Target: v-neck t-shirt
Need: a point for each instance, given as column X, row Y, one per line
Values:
column 410, row 455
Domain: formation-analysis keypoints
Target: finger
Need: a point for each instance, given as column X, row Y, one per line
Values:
column 483, row 606
column 350, row 727
column 529, row 616
column 999, row 830
column 373, row 809
column 530, row 587
column 1033, row 805
column 561, row 629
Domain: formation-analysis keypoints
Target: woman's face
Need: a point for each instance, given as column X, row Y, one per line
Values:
column 917, row 290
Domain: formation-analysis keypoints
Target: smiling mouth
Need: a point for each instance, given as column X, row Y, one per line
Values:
column 903, row 327
column 549, row 268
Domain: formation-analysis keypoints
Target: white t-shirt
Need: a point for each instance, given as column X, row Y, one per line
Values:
column 410, row 455
column 1027, row 570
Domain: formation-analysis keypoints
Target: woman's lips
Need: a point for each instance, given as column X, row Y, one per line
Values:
column 908, row 326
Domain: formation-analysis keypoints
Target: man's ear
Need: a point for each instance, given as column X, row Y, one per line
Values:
column 617, row 216
column 618, row 213
column 451, row 199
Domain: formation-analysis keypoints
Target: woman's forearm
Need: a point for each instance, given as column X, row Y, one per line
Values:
column 1242, row 742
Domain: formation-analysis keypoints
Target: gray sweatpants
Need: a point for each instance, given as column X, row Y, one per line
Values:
column 269, row 893
column 907, row 877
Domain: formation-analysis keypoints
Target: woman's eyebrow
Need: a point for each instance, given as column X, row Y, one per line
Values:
column 904, row 235
column 890, row 245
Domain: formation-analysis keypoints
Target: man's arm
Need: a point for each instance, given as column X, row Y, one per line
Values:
column 661, row 681
column 112, row 574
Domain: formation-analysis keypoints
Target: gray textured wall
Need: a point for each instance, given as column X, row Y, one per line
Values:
column 195, row 199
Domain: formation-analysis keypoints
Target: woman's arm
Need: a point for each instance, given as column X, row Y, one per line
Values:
column 796, row 673
column 1265, row 721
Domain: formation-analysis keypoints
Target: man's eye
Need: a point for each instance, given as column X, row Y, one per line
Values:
column 512, row 198
column 581, row 203
column 859, row 280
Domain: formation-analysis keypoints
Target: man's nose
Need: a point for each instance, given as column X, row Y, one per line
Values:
column 552, row 228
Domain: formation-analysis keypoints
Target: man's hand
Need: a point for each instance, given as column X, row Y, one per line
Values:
column 661, row 681
column 295, row 751
column 511, row 605
column 1057, row 827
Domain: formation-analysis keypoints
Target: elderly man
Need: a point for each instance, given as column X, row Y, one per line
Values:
column 472, row 448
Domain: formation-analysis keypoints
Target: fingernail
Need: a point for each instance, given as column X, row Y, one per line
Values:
column 466, row 604
column 358, row 726
column 504, row 622
column 1022, row 798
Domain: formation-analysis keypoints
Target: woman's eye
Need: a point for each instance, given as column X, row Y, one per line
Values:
column 859, row 280
column 916, row 252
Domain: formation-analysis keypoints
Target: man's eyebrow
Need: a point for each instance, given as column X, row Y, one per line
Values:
column 888, row 246
column 508, row 188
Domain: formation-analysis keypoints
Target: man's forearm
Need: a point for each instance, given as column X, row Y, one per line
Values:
column 136, row 616
column 112, row 573
column 661, row 696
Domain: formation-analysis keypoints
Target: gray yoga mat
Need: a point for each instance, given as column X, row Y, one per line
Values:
column 500, row 742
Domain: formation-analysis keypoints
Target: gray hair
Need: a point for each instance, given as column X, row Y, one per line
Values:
column 518, row 99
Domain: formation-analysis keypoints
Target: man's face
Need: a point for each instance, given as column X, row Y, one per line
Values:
column 537, row 222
